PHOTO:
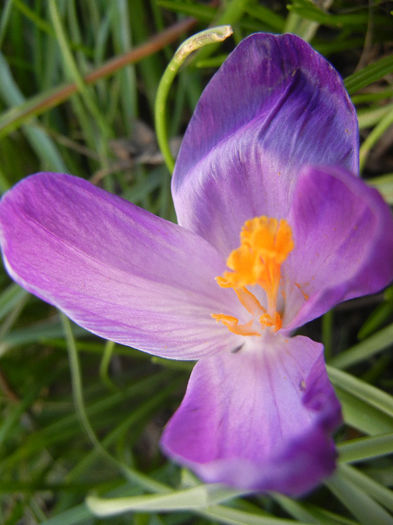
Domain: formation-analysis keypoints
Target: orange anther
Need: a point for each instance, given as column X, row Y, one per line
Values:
column 232, row 323
column 265, row 243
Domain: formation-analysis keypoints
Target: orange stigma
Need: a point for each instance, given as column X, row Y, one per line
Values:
column 265, row 243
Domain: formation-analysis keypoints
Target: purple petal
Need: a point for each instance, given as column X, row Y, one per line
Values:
column 258, row 419
column 274, row 106
column 114, row 268
column 343, row 232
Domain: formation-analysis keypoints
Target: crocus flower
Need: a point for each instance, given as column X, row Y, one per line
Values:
column 274, row 229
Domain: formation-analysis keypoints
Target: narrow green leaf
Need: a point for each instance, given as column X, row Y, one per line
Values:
column 266, row 15
column 369, row 74
column 35, row 334
column 370, row 486
column 309, row 9
column 361, row 415
column 231, row 516
column 150, row 68
column 357, row 501
column 336, row 46
column 370, row 117
column 193, row 498
column 304, row 18
column 105, row 363
column 368, row 393
column 71, row 67
column 379, row 95
column 373, row 137
column 43, row 25
column 327, row 333
column 121, row 31
column 10, row 297
column 14, row 415
column 381, row 313
column 39, row 140
column 5, row 15
column 296, row 509
column 203, row 13
column 365, row 448
column 73, row 516
column 365, row 349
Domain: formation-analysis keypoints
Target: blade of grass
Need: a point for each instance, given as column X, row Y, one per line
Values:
column 120, row 19
column 144, row 409
column 370, row 117
column 296, row 509
column 39, row 140
column 373, row 138
column 368, row 393
column 71, row 68
column 185, row 499
column 362, row 416
column 365, row 448
column 40, row 23
column 369, row 74
column 232, row 516
column 305, row 23
column 104, row 365
column 5, row 16
column 203, row 13
column 10, row 297
column 365, row 349
column 374, row 489
column 266, row 15
column 23, row 111
column 150, row 69
column 327, row 333
column 13, row 316
column 357, row 501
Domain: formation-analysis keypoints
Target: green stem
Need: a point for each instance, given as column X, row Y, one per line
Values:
column 195, row 42
column 76, row 378
column 327, row 333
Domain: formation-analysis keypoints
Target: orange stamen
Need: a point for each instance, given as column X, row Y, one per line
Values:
column 265, row 245
column 232, row 323
column 249, row 301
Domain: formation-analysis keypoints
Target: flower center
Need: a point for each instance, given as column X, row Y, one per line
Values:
column 265, row 243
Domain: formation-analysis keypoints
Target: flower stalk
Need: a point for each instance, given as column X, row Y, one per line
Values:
column 189, row 46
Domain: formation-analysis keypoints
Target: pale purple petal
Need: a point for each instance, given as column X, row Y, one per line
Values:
column 274, row 106
column 258, row 419
column 343, row 233
column 114, row 268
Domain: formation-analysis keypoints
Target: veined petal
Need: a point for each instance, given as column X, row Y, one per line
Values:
column 114, row 268
column 258, row 419
column 343, row 233
column 274, row 106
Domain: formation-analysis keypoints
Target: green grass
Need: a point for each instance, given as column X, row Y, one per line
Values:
column 82, row 417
